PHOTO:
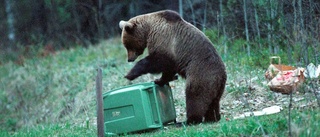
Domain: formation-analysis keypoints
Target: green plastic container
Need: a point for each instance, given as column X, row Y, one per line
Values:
column 138, row 107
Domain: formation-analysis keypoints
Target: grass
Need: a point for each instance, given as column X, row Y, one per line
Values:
column 304, row 124
column 52, row 130
column 57, row 87
column 55, row 96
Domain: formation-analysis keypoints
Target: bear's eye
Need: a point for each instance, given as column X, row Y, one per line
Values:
column 139, row 51
column 128, row 46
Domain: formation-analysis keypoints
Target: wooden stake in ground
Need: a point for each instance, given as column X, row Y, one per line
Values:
column 100, row 119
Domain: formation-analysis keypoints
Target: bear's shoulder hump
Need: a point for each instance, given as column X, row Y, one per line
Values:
column 170, row 16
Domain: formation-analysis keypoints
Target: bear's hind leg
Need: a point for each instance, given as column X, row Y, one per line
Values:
column 195, row 112
column 196, row 106
column 213, row 112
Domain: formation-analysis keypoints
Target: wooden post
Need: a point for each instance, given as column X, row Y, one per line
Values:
column 100, row 117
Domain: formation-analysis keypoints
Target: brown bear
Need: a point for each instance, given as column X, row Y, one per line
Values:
column 177, row 47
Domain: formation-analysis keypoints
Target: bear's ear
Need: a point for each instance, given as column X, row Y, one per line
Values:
column 126, row 26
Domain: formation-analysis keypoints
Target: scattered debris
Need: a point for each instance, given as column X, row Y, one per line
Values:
column 265, row 111
column 239, row 92
column 286, row 81
column 283, row 79
column 274, row 69
column 312, row 71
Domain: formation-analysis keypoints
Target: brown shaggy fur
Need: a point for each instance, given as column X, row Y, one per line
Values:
column 176, row 46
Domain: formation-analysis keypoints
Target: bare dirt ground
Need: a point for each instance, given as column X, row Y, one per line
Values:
column 253, row 96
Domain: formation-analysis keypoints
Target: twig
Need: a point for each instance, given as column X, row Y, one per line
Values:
column 251, row 111
column 289, row 117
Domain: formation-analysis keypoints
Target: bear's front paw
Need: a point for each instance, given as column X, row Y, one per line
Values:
column 160, row 82
column 175, row 77
column 130, row 77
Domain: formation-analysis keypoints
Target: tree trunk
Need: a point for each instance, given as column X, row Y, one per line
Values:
column 246, row 26
column 99, row 20
column 303, row 36
column 223, row 29
column 204, row 17
column 172, row 5
column 294, row 20
column 76, row 20
column 256, row 17
column 269, row 36
column 273, row 13
column 314, row 31
column 53, row 24
column 10, row 20
column 192, row 13
column 181, row 8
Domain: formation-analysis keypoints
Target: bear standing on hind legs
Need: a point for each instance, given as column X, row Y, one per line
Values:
column 177, row 47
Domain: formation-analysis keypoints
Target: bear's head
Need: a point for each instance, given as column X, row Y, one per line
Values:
column 133, row 37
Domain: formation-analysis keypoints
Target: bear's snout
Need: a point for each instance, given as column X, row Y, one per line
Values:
column 132, row 56
column 131, row 60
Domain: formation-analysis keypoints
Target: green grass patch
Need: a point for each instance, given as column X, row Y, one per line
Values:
column 54, row 95
column 58, row 87
column 304, row 124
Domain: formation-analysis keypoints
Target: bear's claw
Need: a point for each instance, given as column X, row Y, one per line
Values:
column 129, row 77
column 160, row 82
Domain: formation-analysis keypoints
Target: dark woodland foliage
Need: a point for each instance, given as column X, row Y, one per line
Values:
column 81, row 22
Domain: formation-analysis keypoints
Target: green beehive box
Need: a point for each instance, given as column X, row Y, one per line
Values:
column 137, row 107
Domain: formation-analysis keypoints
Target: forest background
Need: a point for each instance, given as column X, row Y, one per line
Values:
column 289, row 25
